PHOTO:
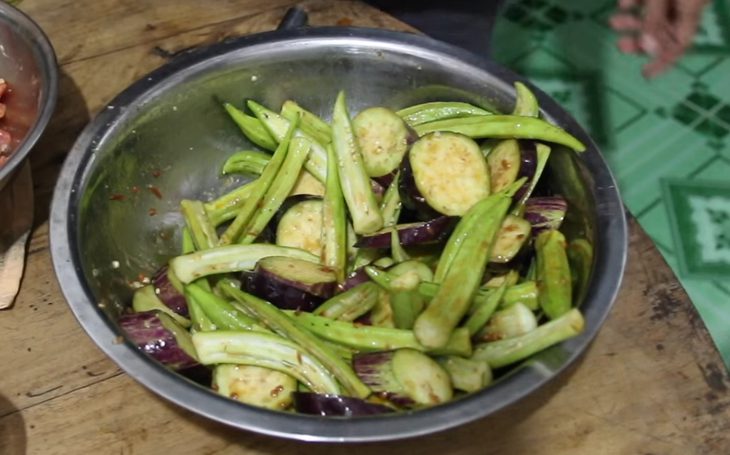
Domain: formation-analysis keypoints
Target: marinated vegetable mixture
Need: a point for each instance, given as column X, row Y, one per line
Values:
column 381, row 262
column 5, row 138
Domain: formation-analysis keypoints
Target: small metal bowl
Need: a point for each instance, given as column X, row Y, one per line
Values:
column 28, row 64
column 168, row 136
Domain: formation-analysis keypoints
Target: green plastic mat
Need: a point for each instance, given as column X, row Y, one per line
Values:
column 667, row 140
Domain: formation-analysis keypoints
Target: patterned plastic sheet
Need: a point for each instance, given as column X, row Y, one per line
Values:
column 667, row 140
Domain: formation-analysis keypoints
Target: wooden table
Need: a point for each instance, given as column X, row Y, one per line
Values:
column 651, row 383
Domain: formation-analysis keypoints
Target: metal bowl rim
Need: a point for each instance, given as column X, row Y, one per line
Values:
column 202, row 401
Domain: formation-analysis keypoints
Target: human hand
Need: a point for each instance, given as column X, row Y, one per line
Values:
column 662, row 29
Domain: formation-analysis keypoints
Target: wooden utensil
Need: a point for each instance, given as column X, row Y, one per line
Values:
column 16, row 221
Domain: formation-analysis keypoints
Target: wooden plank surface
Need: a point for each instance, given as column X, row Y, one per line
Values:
column 652, row 381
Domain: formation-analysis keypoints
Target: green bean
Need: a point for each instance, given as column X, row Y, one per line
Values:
column 526, row 104
column 265, row 350
column 484, row 310
column 201, row 229
column 246, row 162
column 334, row 221
column 438, row 110
column 351, row 304
column 221, row 313
column 188, row 246
column 371, row 338
column 467, row 224
column 251, row 127
column 311, row 124
column 227, row 206
column 278, row 126
column 553, row 274
column 504, row 127
column 262, row 184
column 434, row 326
column 230, row 258
column 580, row 258
column 279, row 322
column 504, row 352
column 524, row 293
column 355, row 183
column 390, row 206
column 279, row 189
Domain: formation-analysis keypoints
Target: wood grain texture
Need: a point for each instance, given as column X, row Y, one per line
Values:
column 651, row 383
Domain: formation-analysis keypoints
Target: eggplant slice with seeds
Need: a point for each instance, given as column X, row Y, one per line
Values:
column 291, row 284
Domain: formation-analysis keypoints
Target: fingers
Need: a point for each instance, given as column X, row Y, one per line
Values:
column 656, row 17
column 689, row 14
column 675, row 36
column 625, row 22
column 627, row 4
column 629, row 45
column 665, row 49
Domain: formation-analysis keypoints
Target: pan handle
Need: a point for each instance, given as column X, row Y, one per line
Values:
column 295, row 17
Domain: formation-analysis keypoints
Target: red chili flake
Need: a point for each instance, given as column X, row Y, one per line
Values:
column 344, row 22
column 276, row 391
column 156, row 173
column 117, row 197
column 152, row 212
column 156, row 191
column 135, row 189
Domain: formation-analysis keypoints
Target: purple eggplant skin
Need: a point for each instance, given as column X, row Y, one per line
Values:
column 147, row 332
column 168, row 294
column 385, row 180
column 368, row 367
column 356, row 278
column 336, row 405
column 285, row 293
column 378, row 188
column 410, row 196
column 545, row 213
column 431, row 231
column 528, row 167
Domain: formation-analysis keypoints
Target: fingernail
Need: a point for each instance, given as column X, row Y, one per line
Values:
column 649, row 44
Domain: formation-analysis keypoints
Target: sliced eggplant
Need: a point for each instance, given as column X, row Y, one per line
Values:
column 169, row 290
column 158, row 335
column 510, row 239
column 257, row 386
column 545, row 213
column 307, row 184
column 404, row 377
column 411, row 197
column 515, row 320
column 383, row 138
column 528, row 167
column 300, row 224
column 410, row 234
column 145, row 299
column 450, row 172
column 538, row 154
column 291, row 284
column 504, row 164
column 336, row 405
column 356, row 278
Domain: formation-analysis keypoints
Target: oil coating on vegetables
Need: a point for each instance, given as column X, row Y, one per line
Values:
column 374, row 264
